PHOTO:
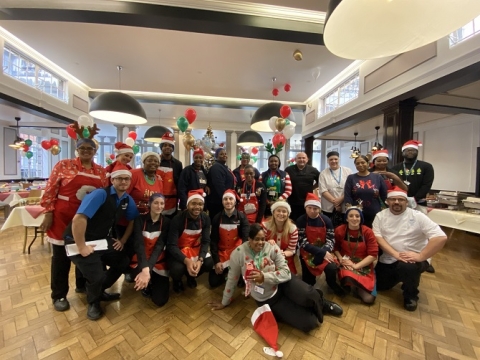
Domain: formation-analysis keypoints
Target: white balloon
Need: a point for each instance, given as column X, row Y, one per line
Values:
column 129, row 141
column 291, row 117
column 289, row 131
column 85, row 121
column 107, row 154
column 271, row 123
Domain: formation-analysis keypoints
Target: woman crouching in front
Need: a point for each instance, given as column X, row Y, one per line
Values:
column 269, row 281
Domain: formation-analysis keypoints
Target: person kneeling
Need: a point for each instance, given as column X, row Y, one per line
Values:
column 188, row 242
column 269, row 281
column 149, row 262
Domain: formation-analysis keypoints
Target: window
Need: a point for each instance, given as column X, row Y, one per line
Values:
column 33, row 167
column 343, row 94
column 25, row 70
column 465, row 32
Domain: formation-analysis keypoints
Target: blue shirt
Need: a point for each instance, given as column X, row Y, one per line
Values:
column 92, row 202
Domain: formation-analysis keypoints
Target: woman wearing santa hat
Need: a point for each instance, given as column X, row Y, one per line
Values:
column 356, row 250
column 268, row 280
column 124, row 154
column 253, row 196
column 282, row 231
column 380, row 166
column 69, row 182
column 149, row 262
column 192, row 177
column 316, row 240
column 229, row 230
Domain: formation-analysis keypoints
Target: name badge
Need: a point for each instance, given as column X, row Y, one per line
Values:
column 259, row 289
column 202, row 181
column 272, row 193
column 407, row 182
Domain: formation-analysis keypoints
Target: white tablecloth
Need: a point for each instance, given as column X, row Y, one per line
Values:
column 21, row 217
column 459, row 220
column 13, row 198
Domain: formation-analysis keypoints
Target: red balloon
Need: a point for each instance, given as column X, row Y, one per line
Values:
column 285, row 111
column 112, row 156
column 71, row 132
column 54, row 142
column 26, row 148
column 287, row 87
column 191, row 115
column 279, row 139
column 46, row 144
column 275, row 92
column 133, row 135
column 255, row 151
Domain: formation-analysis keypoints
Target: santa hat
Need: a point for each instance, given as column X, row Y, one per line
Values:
column 167, row 138
column 233, row 194
column 198, row 151
column 412, row 144
column 312, row 200
column 396, row 191
column 196, row 194
column 281, row 203
column 120, row 170
column 265, row 325
column 150, row 153
column 380, row 153
column 122, row 148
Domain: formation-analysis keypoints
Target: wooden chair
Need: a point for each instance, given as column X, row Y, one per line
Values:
column 35, row 193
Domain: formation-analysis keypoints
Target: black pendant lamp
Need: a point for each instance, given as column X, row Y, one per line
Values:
column 155, row 133
column 18, row 142
column 250, row 138
column 261, row 117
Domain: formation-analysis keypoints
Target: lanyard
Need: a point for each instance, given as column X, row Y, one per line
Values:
column 339, row 180
column 411, row 171
column 257, row 260
column 248, row 192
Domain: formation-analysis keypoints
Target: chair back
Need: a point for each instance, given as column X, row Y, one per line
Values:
column 35, row 193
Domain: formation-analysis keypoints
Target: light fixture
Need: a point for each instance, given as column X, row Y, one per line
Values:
column 19, row 142
column 370, row 29
column 297, row 55
column 155, row 133
column 355, row 151
column 250, row 138
column 377, row 146
column 118, row 107
column 261, row 117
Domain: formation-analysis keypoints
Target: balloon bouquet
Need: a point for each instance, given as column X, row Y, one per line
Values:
column 84, row 127
column 283, row 128
column 26, row 152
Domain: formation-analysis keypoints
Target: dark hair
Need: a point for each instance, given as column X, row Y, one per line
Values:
column 218, row 151
column 254, row 230
column 363, row 157
column 333, row 153
column 161, row 145
column 279, row 161
column 245, row 153
column 248, row 167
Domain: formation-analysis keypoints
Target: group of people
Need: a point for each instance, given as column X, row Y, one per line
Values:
column 151, row 224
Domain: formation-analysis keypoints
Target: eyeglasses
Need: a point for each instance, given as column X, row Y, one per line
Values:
column 122, row 179
column 84, row 149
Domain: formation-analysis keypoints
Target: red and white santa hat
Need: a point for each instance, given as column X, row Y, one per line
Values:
column 412, row 144
column 196, row 194
column 312, row 200
column 167, row 138
column 266, row 326
column 198, row 151
column 396, row 191
column 231, row 193
column 120, row 170
column 380, row 153
column 122, row 148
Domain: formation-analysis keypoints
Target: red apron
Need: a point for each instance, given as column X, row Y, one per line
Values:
column 169, row 190
column 316, row 236
column 189, row 242
column 68, row 200
column 249, row 204
column 290, row 260
column 150, row 239
column 228, row 241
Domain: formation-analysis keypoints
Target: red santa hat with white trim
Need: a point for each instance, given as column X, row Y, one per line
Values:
column 120, row 170
column 380, row 153
column 198, row 151
column 196, row 194
column 396, row 191
column 122, row 148
column 167, row 138
column 266, row 326
column 412, row 144
column 312, row 200
column 231, row 193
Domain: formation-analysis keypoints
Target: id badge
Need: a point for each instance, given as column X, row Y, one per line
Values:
column 272, row 193
column 407, row 182
column 259, row 289
column 203, row 181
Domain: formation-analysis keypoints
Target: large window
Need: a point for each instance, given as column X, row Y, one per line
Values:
column 465, row 32
column 33, row 167
column 343, row 94
column 20, row 67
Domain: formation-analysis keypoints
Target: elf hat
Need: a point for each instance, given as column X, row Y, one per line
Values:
column 312, row 200
column 120, row 170
column 412, row 144
column 196, row 194
column 122, row 148
column 380, row 153
column 231, row 193
column 167, row 138
column 265, row 325
column 396, row 191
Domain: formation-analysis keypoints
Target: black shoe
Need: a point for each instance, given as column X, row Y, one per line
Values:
column 94, row 311
column 410, row 304
column 129, row 278
column 331, row 308
column 81, row 290
column 191, row 282
column 147, row 292
column 61, row 304
column 430, row 269
column 109, row 296
column 178, row 286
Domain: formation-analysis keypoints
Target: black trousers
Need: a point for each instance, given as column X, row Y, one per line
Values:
column 389, row 275
column 215, row 280
column 160, row 288
column 178, row 269
column 297, row 211
column 60, row 270
column 331, row 271
column 307, row 276
column 92, row 268
column 214, row 209
column 297, row 304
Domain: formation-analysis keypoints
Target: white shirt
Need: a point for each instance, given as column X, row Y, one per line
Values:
column 327, row 182
column 409, row 231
